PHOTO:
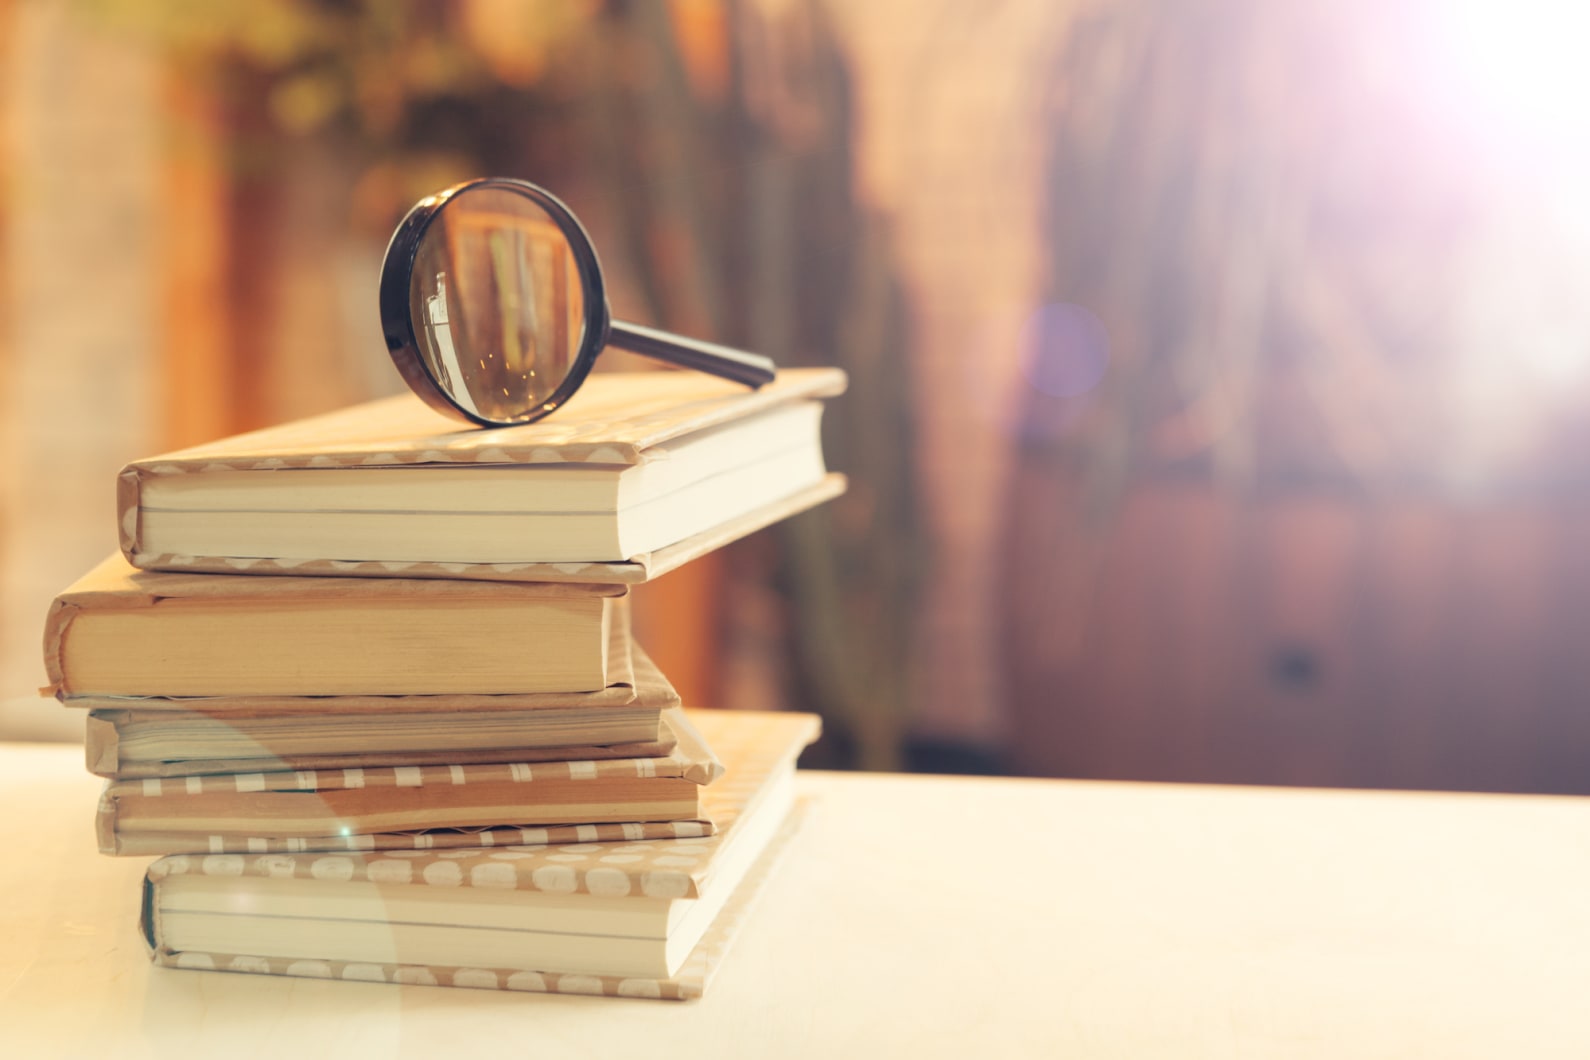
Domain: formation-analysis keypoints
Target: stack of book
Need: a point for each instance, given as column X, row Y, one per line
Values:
column 366, row 684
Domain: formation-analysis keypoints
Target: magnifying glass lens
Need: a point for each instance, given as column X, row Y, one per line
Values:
column 494, row 310
column 497, row 304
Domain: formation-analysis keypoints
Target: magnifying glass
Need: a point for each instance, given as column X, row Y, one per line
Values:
column 494, row 311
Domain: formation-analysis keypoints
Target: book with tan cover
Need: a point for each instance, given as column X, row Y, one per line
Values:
column 635, row 918
column 124, row 632
column 319, row 809
column 162, row 737
column 497, row 837
column 633, row 680
column 688, row 983
column 134, row 744
column 637, row 473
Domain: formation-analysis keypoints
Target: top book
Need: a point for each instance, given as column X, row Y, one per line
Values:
column 639, row 473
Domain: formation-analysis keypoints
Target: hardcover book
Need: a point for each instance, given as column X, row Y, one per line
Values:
column 632, row 680
column 636, row 466
column 121, row 632
column 162, row 737
column 131, row 744
column 322, row 809
column 626, row 918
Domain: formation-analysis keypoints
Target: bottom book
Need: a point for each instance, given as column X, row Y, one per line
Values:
column 647, row 919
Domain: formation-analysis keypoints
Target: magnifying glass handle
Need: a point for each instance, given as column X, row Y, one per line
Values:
column 751, row 369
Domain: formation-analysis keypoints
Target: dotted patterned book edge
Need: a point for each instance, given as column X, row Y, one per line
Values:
column 755, row 747
column 224, row 854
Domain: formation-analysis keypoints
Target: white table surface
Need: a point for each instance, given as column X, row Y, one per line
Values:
column 928, row 917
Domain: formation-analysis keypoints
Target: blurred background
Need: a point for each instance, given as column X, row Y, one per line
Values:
column 1220, row 399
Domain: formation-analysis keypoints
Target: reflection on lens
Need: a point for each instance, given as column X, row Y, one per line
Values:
column 497, row 303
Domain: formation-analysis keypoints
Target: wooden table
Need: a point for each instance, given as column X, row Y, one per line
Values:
column 929, row 917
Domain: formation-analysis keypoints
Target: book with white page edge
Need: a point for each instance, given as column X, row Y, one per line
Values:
column 641, row 464
column 604, row 914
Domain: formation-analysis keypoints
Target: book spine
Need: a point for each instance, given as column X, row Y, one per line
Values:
column 129, row 511
column 60, row 617
column 102, row 746
column 149, row 918
column 105, row 823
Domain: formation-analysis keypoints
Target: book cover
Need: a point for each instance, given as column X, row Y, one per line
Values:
column 125, row 632
column 689, row 983
column 134, row 738
column 635, row 570
column 254, row 503
column 133, row 745
column 417, row 841
column 105, row 750
column 315, row 809
column 633, row 681
column 758, row 751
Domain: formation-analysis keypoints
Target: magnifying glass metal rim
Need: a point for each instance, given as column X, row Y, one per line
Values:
column 397, row 321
